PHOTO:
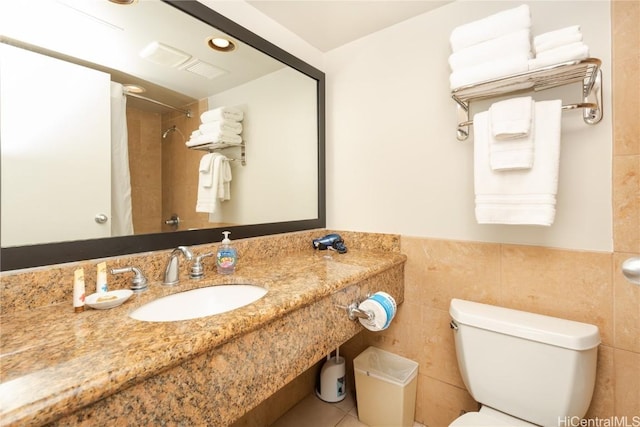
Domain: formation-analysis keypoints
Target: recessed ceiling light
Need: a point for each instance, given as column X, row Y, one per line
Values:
column 125, row 2
column 131, row 88
column 221, row 44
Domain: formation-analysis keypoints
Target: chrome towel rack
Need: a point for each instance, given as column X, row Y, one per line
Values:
column 586, row 71
column 211, row 147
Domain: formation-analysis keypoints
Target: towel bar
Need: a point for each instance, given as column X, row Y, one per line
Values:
column 586, row 71
column 588, row 105
column 219, row 146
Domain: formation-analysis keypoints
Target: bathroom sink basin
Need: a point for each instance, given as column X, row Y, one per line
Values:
column 197, row 303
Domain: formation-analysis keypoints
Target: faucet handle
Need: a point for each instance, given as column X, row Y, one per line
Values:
column 197, row 269
column 138, row 282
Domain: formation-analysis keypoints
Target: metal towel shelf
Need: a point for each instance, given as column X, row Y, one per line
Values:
column 586, row 71
column 220, row 146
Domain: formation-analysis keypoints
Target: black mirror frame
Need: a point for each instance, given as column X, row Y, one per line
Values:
column 19, row 257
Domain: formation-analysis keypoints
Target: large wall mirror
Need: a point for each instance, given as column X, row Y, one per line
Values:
column 93, row 168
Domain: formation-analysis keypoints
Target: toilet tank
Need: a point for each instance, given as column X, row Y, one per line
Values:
column 538, row 368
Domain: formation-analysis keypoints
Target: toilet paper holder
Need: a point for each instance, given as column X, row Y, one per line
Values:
column 354, row 312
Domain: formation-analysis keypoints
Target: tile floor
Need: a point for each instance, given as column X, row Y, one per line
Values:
column 313, row 412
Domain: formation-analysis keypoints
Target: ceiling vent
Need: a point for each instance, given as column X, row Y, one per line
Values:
column 164, row 55
column 203, row 69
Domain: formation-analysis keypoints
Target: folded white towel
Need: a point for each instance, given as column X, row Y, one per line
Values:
column 562, row 40
column 511, row 118
column 215, row 138
column 492, row 26
column 230, row 126
column 506, row 45
column 521, row 196
column 213, row 185
column 222, row 113
column 560, row 34
column 501, row 67
column 566, row 53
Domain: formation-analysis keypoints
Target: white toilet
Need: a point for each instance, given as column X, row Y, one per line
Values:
column 524, row 369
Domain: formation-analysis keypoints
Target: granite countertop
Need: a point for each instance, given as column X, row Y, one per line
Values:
column 55, row 361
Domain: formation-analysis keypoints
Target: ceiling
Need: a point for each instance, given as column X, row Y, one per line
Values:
column 134, row 49
column 327, row 24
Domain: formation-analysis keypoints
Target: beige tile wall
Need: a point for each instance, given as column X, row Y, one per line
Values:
column 577, row 285
column 145, row 165
column 161, row 183
column 180, row 169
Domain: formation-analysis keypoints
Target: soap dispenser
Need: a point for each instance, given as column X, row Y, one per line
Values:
column 227, row 256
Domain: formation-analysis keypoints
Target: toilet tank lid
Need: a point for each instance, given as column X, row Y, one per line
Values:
column 536, row 327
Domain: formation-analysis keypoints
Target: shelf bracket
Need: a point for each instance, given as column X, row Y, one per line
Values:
column 592, row 93
column 462, row 111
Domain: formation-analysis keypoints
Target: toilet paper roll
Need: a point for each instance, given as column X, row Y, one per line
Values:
column 382, row 307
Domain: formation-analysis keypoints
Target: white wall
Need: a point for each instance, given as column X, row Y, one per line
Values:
column 394, row 164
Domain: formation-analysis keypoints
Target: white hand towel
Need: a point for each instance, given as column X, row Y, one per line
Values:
column 550, row 37
column 215, row 138
column 206, row 170
column 224, row 181
column 511, row 134
column 507, row 45
column 502, row 67
column 521, row 196
column 492, row 26
column 566, row 53
column 511, row 118
column 221, row 113
column 209, row 196
column 230, row 126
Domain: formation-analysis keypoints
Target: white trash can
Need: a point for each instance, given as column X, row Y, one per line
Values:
column 385, row 388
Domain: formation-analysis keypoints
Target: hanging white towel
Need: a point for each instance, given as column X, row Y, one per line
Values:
column 511, row 118
column 566, row 53
column 556, row 38
column 492, row 26
column 511, row 134
column 520, row 196
column 222, row 113
column 206, row 170
column 213, row 183
column 490, row 50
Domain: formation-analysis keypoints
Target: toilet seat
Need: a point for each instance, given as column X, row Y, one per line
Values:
column 488, row 417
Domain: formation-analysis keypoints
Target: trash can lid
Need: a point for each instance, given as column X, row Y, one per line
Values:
column 386, row 366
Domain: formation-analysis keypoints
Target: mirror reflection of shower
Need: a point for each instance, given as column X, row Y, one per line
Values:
column 173, row 128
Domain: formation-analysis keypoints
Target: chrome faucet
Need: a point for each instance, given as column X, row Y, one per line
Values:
column 171, row 274
column 138, row 282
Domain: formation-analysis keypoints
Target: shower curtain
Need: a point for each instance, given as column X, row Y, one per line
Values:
column 121, row 216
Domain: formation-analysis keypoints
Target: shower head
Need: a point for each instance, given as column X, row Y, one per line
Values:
column 171, row 129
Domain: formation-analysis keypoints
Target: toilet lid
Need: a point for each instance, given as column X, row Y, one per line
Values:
column 478, row 419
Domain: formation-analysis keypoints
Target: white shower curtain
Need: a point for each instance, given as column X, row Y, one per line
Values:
column 121, row 216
